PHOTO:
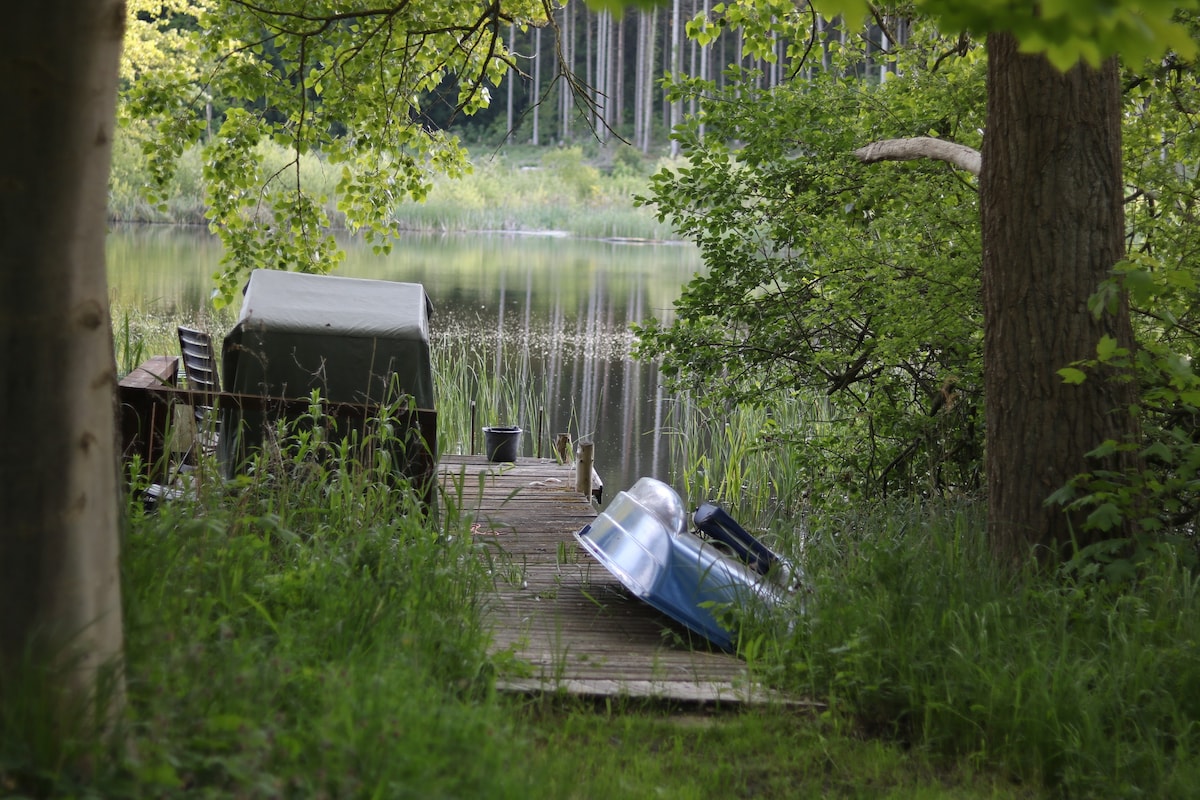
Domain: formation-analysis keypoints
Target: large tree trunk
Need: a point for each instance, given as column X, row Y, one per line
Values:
column 60, row 608
column 1053, row 227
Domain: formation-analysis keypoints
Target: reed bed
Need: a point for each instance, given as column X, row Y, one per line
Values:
column 482, row 389
column 745, row 456
column 540, row 190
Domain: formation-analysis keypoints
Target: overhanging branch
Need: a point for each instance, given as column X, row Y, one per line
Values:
column 957, row 155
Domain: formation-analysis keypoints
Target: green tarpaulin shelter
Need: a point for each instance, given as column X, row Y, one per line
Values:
column 353, row 340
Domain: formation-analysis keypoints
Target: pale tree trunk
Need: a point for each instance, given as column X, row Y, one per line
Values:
column 646, row 64
column 537, row 82
column 1053, row 227
column 509, row 80
column 567, row 40
column 60, row 605
column 676, row 67
column 639, row 78
column 618, row 115
column 601, row 82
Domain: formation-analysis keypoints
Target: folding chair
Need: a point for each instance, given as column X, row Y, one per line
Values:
column 200, row 370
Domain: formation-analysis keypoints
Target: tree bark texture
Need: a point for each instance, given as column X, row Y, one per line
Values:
column 1053, row 226
column 920, row 147
column 59, row 581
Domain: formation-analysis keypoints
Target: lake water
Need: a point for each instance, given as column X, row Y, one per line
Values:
column 558, row 307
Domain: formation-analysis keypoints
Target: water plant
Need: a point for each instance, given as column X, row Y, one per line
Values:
column 754, row 458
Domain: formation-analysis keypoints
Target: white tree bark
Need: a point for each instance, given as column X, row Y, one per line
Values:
column 958, row 155
column 59, row 479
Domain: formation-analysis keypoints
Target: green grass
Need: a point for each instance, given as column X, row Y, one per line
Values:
column 627, row 753
column 309, row 632
column 1067, row 680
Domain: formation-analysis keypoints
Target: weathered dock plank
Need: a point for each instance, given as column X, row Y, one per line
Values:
column 567, row 623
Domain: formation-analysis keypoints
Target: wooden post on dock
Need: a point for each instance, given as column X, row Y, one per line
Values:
column 583, row 468
column 562, row 447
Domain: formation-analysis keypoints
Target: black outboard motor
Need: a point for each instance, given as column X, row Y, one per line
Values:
column 713, row 521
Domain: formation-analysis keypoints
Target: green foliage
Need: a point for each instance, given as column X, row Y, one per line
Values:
column 1067, row 31
column 308, row 631
column 827, row 278
column 340, row 81
column 628, row 161
column 861, row 283
column 568, row 168
column 1071, row 680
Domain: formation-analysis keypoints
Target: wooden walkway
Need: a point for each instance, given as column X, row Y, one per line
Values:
column 561, row 621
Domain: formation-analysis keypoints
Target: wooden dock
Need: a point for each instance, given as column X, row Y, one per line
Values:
column 561, row 622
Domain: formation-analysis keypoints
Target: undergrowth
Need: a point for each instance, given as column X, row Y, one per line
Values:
column 1088, row 687
column 308, row 631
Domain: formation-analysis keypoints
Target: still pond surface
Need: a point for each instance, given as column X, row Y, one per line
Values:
column 558, row 307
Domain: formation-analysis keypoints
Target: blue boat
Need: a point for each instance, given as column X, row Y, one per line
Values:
column 644, row 540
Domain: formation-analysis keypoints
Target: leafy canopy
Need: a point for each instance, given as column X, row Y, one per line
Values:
column 1067, row 31
column 347, row 81
column 156, row 38
column 860, row 285
column 828, row 281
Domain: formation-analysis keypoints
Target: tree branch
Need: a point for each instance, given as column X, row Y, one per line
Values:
column 956, row 155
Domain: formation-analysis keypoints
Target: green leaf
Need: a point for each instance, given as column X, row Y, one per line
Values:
column 1105, row 517
column 1140, row 285
column 1106, row 348
column 1072, row 375
column 1106, row 448
column 1160, row 451
column 850, row 9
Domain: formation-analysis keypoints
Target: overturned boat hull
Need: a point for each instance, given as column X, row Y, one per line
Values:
column 643, row 539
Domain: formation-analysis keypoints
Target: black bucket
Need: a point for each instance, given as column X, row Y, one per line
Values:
column 502, row 443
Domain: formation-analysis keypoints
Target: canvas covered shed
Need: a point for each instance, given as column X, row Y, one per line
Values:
column 355, row 341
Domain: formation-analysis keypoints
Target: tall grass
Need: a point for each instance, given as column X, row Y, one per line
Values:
column 142, row 332
column 309, row 631
column 1066, row 680
column 1087, row 687
column 745, row 456
column 481, row 388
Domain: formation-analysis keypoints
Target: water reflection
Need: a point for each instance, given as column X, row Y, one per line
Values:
column 556, row 310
